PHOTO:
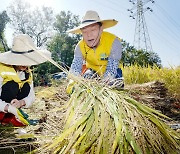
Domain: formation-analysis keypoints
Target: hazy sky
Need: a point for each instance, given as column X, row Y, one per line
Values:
column 163, row 23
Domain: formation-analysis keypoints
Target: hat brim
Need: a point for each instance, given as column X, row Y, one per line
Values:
column 27, row 59
column 106, row 24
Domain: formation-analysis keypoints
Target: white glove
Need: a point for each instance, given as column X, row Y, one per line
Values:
column 13, row 110
column 88, row 74
column 17, row 113
column 2, row 105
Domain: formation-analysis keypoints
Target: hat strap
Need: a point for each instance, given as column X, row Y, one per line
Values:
column 88, row 21
column 17, row 52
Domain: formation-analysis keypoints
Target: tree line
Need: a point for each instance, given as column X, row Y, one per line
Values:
column 49, row 31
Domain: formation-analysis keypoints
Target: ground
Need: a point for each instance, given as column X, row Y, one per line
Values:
column 155, row 95
column 48, row 108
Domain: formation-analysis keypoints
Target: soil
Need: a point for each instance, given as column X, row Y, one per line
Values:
column 155, row 95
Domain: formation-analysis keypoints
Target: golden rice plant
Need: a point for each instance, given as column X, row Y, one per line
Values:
column 169, row 76
column 137, row 74
column 103, row 120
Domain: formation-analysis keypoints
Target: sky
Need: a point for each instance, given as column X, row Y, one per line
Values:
column 163, row 23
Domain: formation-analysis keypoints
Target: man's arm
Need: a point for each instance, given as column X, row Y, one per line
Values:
column 30, row 98
column 76, row 66
column 3, row 104
column 113, row 59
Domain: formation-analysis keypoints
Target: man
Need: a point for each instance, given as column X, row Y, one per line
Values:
column 16, row 83
column 99, row 52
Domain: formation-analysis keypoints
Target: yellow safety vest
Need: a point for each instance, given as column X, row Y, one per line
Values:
column 97, row 59
column 8, row 73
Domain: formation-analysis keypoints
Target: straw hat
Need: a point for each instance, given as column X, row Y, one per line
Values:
column 24, row 52
column 92, row 17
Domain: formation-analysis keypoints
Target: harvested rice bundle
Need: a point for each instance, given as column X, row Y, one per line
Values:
column 103, row 120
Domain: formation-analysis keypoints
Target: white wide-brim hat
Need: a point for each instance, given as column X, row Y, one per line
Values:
column 92, row 17
column 24, row 52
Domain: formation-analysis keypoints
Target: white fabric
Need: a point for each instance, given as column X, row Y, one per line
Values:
column 33, row 58
column 21, row 75
column 24, row 52
column 13, row 110
column 2, row 105
column 30, row 98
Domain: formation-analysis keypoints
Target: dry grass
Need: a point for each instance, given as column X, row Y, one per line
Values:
column 47, row 106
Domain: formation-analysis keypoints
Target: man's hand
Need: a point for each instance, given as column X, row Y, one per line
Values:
column 70, row 87
column 17, row 103
column 88, row 74
column 117, row 83
column 107, row 80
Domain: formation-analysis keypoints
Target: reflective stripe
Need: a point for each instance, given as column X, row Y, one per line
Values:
column 8, row 73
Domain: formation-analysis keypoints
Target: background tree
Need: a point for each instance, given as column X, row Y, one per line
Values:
column 61, row 45
column 131, row 56
column 4, row 19
column 64, row 43
column 38, row 23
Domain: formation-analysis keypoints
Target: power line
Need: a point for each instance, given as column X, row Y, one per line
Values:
column 117, row 4
column 163, row 39
column 108, row 6
column 168, row 28
column 177, row 25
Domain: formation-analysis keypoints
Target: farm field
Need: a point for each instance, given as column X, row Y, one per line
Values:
column 154, row 87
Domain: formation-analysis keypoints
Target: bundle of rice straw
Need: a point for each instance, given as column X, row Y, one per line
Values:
column 100, row 119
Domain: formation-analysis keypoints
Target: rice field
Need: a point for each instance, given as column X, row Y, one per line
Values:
column 169, row 76
column 98, row 119
column 102, row 120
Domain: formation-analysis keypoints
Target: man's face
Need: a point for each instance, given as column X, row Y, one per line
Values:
column 21, row 68
column 91, row 34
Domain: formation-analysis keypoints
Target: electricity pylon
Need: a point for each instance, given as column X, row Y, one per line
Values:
column 141, row 36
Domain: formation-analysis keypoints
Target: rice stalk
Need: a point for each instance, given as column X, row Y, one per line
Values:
column 103, row 120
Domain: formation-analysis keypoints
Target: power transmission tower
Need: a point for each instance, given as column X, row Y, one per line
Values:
column 141, row 36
